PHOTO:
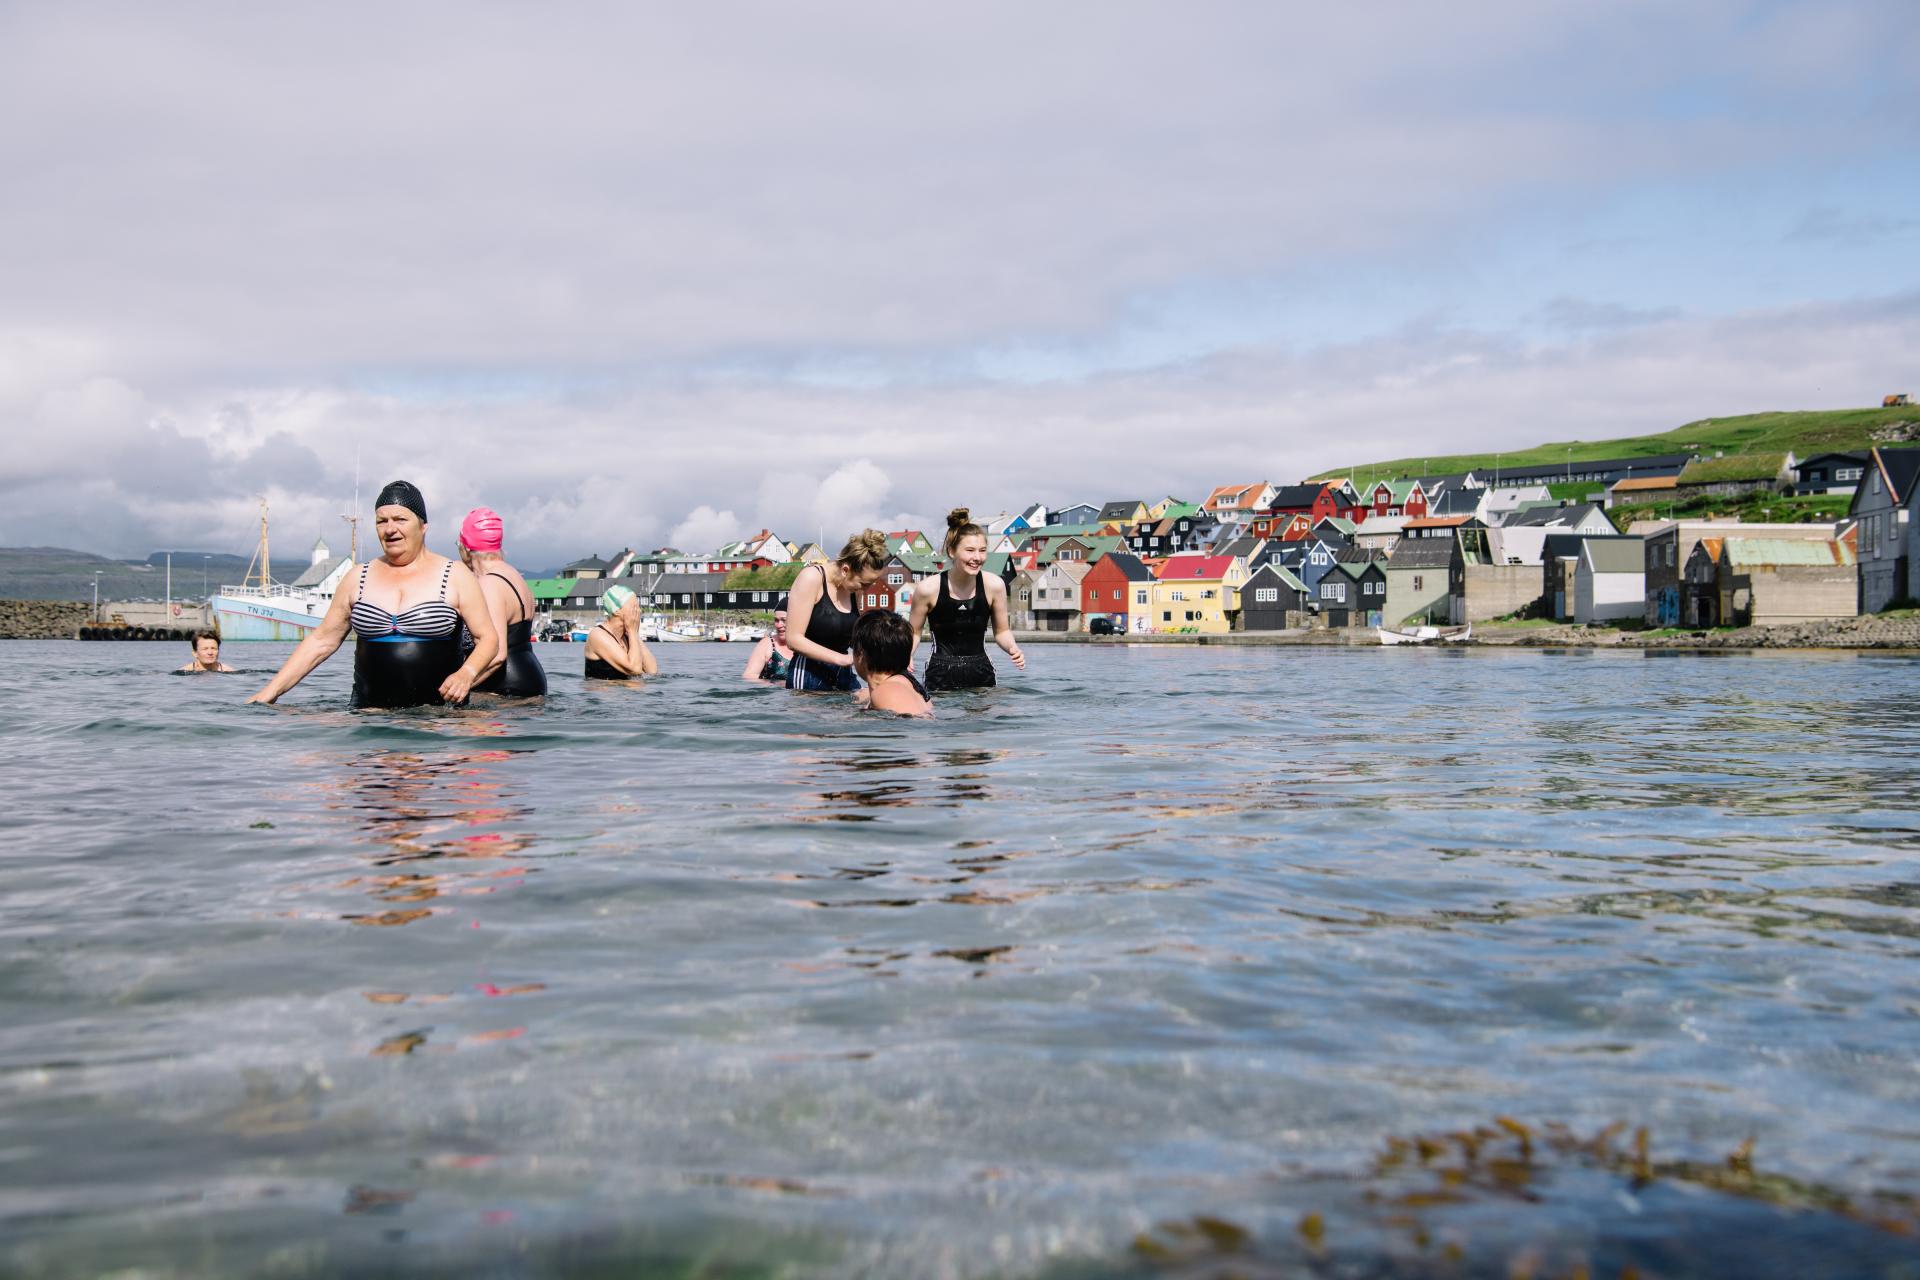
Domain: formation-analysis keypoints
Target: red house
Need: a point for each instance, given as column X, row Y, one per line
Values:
column 1394, row 498
column 1109, row 591
column 894, row 590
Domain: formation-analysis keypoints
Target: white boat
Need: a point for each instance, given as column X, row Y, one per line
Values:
column 258, row 608
column 1426, row 635
column 682, row 632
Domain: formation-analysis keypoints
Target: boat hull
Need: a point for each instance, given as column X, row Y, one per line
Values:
column 242, row 619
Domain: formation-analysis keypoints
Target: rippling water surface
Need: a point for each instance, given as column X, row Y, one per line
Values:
column 1154, row 960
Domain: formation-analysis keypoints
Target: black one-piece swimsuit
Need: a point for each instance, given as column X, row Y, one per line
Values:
column 959, row 627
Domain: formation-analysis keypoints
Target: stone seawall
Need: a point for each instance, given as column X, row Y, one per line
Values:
column 1870, row 632
column 41, row 619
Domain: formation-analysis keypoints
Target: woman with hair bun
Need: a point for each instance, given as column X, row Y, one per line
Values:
column 822, row 606
column 959, row 603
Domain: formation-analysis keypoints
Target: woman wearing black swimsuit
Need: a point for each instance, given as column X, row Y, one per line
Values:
column 515, row 673
column 822, row 606
column 615, row 649
column 407, row 618
column 959, row 603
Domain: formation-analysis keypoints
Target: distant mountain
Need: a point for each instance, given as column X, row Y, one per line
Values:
column 61, row 573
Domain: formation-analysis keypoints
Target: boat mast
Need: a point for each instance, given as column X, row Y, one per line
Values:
column 266, row 562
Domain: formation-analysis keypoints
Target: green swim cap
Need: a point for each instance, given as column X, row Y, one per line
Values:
column 614, row 599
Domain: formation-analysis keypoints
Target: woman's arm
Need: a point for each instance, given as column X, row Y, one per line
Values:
column 638, row 654
column 925, row 593
column 471, row 601
column 757, row 659
column 801, row 597
column 314, row 650
column 1002, row 632
column 492, row 590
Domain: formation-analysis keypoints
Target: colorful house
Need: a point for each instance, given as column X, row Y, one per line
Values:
column 1198, row 593
column 1056, row 595
column 1270, row 594
column 1239, row 500
column 1354, row 594
column 1118, row 587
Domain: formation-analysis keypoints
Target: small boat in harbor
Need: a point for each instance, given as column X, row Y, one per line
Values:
column 1426, row 635
column 682, row 632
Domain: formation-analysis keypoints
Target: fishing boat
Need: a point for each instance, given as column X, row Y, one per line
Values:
column 258, row 608
column 1426, row 635
column 682, row 632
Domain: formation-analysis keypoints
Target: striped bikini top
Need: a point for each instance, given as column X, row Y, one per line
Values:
column 426, row 620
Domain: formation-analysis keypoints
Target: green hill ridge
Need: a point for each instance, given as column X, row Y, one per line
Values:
column 1803, row 431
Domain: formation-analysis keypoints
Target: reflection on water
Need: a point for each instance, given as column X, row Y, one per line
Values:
column 1151, row 961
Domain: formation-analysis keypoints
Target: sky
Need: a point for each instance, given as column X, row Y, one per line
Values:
column 636, row 275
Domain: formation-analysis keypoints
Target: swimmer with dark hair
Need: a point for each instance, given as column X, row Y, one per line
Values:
column 615, row 648
column 406, row 609
column 959, row 603
column 882, row 654
column 821, row 607
column 516, row 671
column 206, row 654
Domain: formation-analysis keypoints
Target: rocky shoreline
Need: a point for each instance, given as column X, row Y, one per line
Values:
column 41, row 619
column 1874, row 632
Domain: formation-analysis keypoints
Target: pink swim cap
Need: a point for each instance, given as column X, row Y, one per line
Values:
column 482, row 530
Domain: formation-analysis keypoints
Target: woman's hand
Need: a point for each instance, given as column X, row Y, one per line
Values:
column 1019, row 658
column 264, row 698
column 455, row 688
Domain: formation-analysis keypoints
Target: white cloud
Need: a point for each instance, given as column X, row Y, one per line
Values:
column 704, row 529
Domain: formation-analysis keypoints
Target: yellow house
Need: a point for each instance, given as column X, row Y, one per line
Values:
column 1198, row 593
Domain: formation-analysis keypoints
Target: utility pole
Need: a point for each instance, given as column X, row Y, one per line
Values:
column 96, row 595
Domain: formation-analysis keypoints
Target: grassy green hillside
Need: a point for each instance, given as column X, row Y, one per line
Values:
column 1804, row 432
column 58, row 573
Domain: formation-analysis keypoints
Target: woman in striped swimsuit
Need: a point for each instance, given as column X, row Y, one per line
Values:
column 406, row 610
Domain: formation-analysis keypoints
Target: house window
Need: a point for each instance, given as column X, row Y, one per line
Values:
column 1418, row 582
column 1139, row 597
column 1847, row 473
column 1208, row 594
column 1179, row 595
column 896, row 579
column 759, row 597
column 1192, row 616
column 1266, row 595
column 1166, row 616
column 686, row 599
column 872, row 600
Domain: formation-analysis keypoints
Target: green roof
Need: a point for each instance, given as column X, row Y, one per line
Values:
column 1787, row 551
column 1734, row 467
column 774, row 577
column 918, row 561
column 1341, row 523
column 1180, row 510
column 548, row 588
column 1096, row 547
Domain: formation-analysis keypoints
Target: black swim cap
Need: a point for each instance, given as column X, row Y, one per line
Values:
column 402, row 494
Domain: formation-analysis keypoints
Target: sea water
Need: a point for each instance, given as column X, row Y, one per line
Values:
column 1152, row 960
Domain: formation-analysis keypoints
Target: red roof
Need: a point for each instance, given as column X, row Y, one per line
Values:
column 1193, row 565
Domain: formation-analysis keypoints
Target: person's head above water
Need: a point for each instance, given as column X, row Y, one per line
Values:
column 864, row 557
column 614, row 599
column 400, row 522
column 482, row 533
column 206, row 648
column 966, row 541
column 882, row 644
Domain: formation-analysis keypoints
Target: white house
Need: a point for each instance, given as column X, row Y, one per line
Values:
column 1610, row 580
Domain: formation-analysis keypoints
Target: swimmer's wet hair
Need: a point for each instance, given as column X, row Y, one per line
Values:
column 865, row 551
column 882, row 642
column 198, row 636
column 960, row 525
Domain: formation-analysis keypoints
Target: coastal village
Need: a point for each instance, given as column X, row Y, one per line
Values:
column 1643, row 543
